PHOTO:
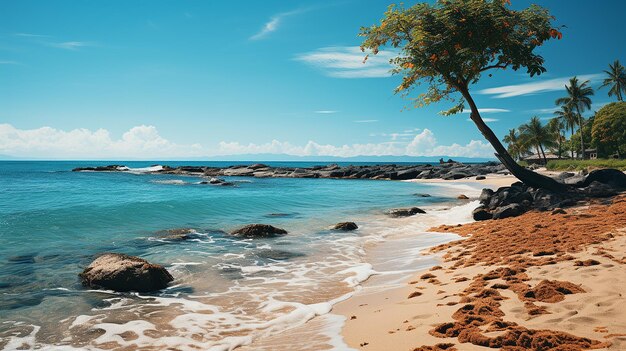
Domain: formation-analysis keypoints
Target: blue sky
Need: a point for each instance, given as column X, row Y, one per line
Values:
column 175, row 79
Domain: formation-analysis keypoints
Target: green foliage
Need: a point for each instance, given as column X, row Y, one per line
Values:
column 578, row 165
column 536, row 135
column 574, row 142
column 578, row 99
column 609, row 129
column 616, row 79
column 515, row 145
column 449, row 44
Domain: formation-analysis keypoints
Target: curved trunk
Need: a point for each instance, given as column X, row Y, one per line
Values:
column 527, row 176
column 545, row 160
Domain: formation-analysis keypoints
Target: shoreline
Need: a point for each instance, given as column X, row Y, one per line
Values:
column 405, row 317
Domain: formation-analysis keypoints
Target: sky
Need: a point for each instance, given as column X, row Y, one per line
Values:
column 162, row 79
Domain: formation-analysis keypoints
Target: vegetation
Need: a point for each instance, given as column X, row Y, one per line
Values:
column 616, row 79
column 450, row 44
column 606, row 130
column 579, row 165
column 535, row 134
column 609, row 129
column 578, row 99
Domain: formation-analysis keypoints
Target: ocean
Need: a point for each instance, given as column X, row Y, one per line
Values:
column 228, row 292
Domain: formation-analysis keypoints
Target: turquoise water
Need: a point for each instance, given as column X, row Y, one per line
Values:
column 53, row 222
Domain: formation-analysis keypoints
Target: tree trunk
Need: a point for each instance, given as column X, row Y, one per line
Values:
column 527, row 176
column 545, row 160
column 580, row 129
column 571, row 150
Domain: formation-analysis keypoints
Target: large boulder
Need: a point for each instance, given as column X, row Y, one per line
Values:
column 345, row 226
column 405, row 212
column 609, row 176
column 259, row 231
column 121, row 272
column 507, row 211
column 481, row 214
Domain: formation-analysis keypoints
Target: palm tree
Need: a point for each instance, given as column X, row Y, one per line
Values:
column 555, row 126
column 514, row 144
column 569, row 119
column 578, row 98
column 616, row 79
column 537, row 135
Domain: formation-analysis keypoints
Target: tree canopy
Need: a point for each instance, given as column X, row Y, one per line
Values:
column 609, row 128
column 451, row 43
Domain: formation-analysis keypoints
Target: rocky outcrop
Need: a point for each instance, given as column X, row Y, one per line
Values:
column 405, row 212
column 109, row 168
column 345, row 226
column 453, row 170
column 519, row 198
column 259, row 231
column 121, row 272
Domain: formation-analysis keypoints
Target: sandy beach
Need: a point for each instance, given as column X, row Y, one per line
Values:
column 541, row 281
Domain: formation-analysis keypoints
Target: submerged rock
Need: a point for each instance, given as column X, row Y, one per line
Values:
column 345, row 226
column 259, row 231
column 405, row 212
column 178, row 234
column 121, row 272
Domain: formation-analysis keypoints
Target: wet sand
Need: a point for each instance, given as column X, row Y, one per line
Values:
column 540, row 281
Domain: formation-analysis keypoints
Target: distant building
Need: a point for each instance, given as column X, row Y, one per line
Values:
column 538, row 159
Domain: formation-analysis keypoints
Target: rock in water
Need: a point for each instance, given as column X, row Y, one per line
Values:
column 259, row 231
column 405, row 212
column 346, row 226
column 121, row 272
column 462, row 197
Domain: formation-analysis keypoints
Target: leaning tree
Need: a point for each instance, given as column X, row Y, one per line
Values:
column 450, row 44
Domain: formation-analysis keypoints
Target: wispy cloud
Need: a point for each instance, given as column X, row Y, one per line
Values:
column 486, row 120
column 535, row 87
column 326, row 112
column 348, row 62
column 9, row 62
column 70, row 45
column 274, row 22
column 488, row 110
column 366, row 121
column 31, row 35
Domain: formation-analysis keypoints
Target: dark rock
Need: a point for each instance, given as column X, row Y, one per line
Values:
column 405, row 212
column 422, row 195
column 455, row 175
column 507, row 211
column 411, row 173
column 278, row 255
column 462, row 197
column 257, row 166
column 121, row 272
column 179, row 234
column 109, row 168
column 485, row 196
column 598, row 189
column 259, row 231
column 609, row 176
column 559, row 210
column 345, row 226
column 481, row 177
column 481, row 214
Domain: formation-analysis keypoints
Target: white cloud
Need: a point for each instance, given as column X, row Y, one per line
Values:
column 145, row 142
column 273, row 23
column 30, row 35
column 347, row 62
column 46, row 142
column 70, row 45
column 326, row 112
column 366, row 121
column 535, row 87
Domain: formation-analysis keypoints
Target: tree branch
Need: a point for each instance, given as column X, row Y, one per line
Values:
column 499, row 65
